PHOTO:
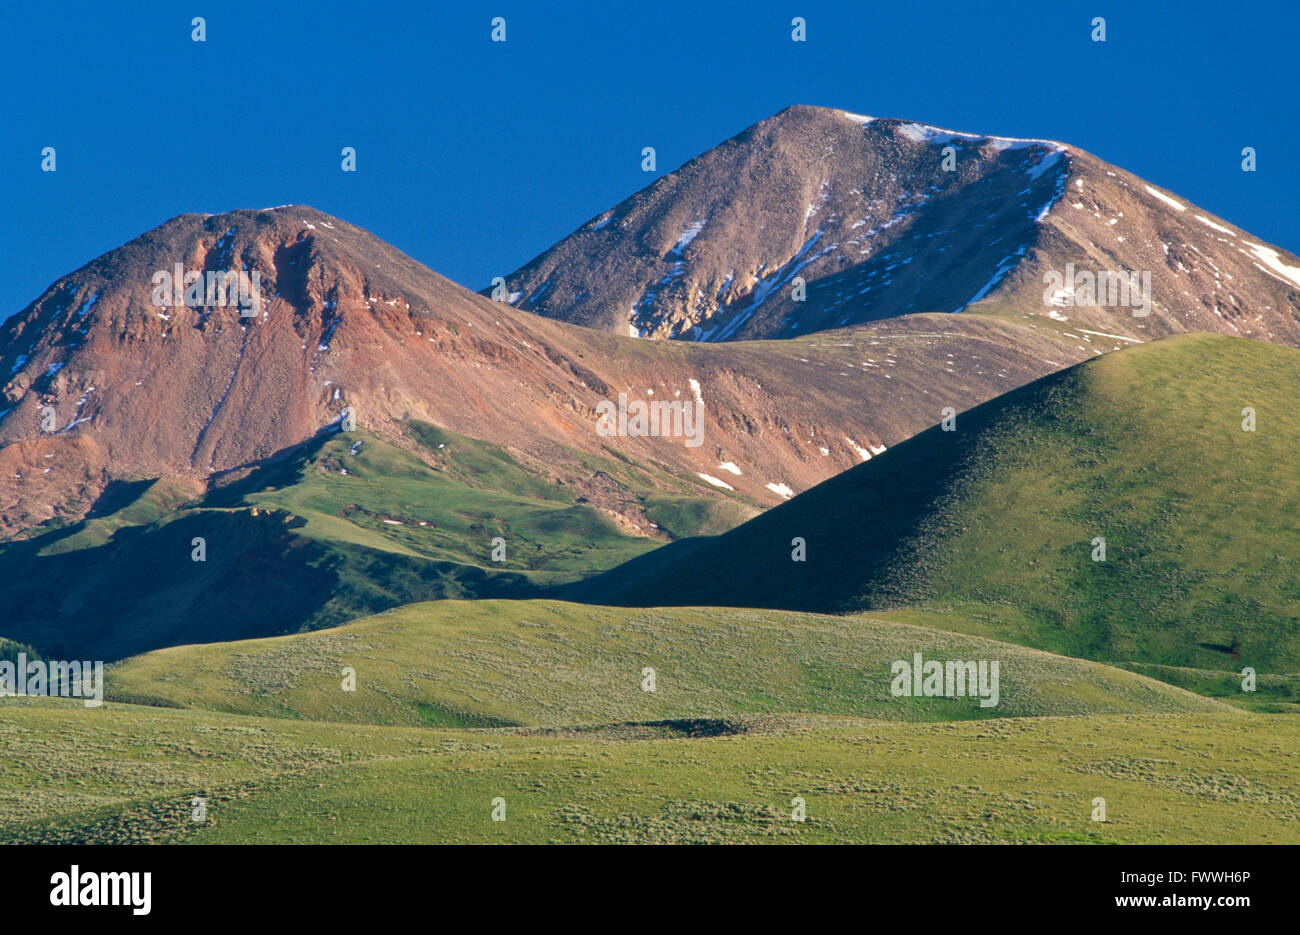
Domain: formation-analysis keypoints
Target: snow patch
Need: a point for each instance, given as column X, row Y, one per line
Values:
column 1003, row 268
column 1270, row 257
column 88, row 305
column 688, row 234
column 924, row 133
column 1051, row 159
column 781, row 489
column 1208, row 223
column 1117, row 337
column 1172, row 202
column 862, row 452
column 715, row 482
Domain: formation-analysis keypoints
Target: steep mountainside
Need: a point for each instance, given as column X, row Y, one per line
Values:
column 865, row 212
column 101, row 384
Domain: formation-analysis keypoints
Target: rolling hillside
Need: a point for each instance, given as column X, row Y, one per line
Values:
column 557, row 665
column 345, row 526
column 1173, row 779
column 990, row 527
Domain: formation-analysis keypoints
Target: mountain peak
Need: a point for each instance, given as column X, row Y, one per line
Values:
column 110, row 375
column 223, row 327
column 818, row 218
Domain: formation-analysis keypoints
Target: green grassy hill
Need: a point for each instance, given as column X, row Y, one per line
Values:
column 343, row 527
column 552, row 664
column 122, row 774
column 990, row 528
column 447, row 505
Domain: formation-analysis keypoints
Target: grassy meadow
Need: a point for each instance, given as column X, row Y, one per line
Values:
column 124, row 773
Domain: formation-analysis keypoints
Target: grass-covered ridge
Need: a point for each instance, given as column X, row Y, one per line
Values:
column 991, row 526
column 552, row 664
column 447, row 506
column 342, row 527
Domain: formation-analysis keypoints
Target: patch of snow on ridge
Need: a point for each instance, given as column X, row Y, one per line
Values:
column 730, row 466
column 695, row 388
column 862, row 452
column 1057, row 192
column 88, row 304
column 1173, row 203
column 715, row 482
column 1208, row 223
column 725, row 283
column 857, row 118
column 765, row 286
column 822, row 195
column 923, row 133
column 781, row 489
column 1045, row 163
column 1117, row 337
column 926, row 133
column 1270, row 257
column 688, row 234
column 1003, row 268
column 1002, row 144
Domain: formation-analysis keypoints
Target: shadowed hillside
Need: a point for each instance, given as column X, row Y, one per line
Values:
column 995, row 521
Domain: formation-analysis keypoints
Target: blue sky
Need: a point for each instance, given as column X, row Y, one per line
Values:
column 474, row 156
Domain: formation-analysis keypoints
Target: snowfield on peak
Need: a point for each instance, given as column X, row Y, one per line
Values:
column 926, row 133
column 1172, row 202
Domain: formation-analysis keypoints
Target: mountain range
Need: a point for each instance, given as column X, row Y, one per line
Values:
column 139, row 391
column 368, row 554
column 131, row 424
